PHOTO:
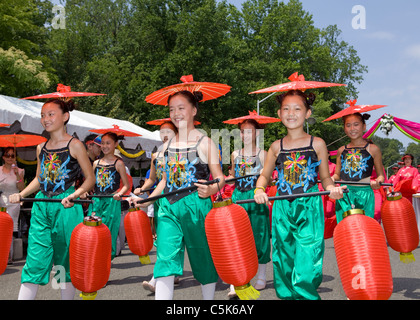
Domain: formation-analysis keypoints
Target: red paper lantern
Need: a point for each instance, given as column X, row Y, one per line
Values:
column 362, row 257
column 232, row 246
column 90, row 256
column 400, row 225
column 6, row 237
column 139, row 234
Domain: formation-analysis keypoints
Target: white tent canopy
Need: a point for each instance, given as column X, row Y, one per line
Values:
column 28, row 113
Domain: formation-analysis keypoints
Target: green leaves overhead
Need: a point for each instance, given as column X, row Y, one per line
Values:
column 130, row 48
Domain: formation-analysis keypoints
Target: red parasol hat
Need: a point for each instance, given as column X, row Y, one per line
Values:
column 20, row 140
column 159, row 122
column 4, row 125
column 64, row 92
column 353, row 108
column 210, row 90
column 116, row 129
column 297, row 82
column 253, row 115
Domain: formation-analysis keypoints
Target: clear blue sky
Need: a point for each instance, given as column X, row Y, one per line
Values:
column 389, row 46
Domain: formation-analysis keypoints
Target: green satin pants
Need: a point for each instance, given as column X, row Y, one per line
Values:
column 49, row 239
column 298, row 247
column 180, row 225
column 362, row 197
column 110, row 211
column 259, row 216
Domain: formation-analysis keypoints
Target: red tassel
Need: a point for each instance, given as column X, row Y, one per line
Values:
column 232, row 246
column 90, row 256
column 362, row 257
column 139, row 234
column 6, row 237
column 400, row 225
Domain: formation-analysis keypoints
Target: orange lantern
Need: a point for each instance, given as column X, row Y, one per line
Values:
column 400, row 225
column 90, row 256
column 362, row 257
column 6, row 237
column 139, row 234
column 232, row 246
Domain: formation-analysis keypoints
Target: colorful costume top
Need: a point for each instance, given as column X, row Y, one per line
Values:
column 183, row 168
column 107, row 178
column 356, row 163
column 245, row 166
column 159, row 163
column 297, row 169
column 59, row 170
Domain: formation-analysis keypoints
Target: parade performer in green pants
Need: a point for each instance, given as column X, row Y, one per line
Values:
column 355, row 163
column 60, row 160
column 297, row 225
column 190, row 158
column 250, row 161
column 109, row 172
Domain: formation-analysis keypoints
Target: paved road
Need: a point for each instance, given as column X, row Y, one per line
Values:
column 127, row 274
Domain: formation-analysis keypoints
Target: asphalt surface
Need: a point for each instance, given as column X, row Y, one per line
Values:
column 127, row 275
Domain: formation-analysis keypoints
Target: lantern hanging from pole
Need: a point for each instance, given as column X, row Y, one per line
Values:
column 139, row 234
column 90, row 256
column 232, row 246
column 6, row 238
column 400, row 225
column 362, row 257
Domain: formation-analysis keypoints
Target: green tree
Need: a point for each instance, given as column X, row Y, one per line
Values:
column 391, row 150
column 24, row 67
column 414, row 149
column 20, row 75
column 128, row 49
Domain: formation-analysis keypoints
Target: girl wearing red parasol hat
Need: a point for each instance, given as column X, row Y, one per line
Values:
column 60, row 160
column 109, row 172
column 190, row 158
column 355, row 163
column 297, row 226
column 250, row 161
column 157, row 168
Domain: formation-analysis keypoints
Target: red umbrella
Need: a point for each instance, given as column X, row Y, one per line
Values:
column 4, row 125
column 297, row 83
column 64, row 92
column 353, row 108
column 253, row 115
column 210, row 90
column 116, row 129
column 159, row 122
column 20, row 140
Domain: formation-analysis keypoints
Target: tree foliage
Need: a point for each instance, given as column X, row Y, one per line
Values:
column 128, row 49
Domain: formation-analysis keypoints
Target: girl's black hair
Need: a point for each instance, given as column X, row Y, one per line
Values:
column 308, row 99
column 173, row 127
column 113, row 136
column 193, row 97
column 363, row 117
column 65, row 106
column 253, row 122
